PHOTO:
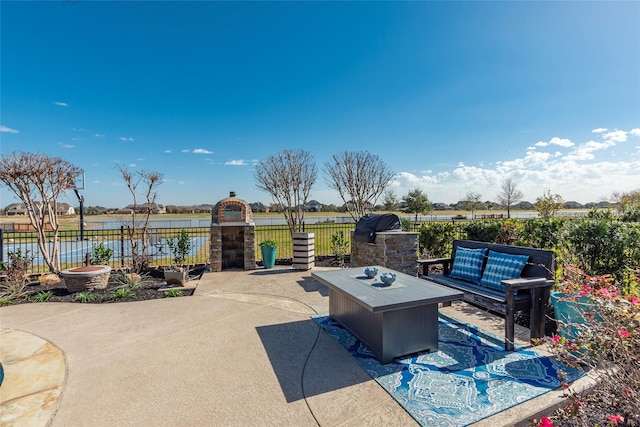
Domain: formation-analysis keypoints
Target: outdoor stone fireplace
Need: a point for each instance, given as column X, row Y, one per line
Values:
column 233, row 236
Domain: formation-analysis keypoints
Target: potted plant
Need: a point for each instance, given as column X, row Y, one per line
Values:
column 178, row 274
column 606, row 336
column 268, row 248
column 573, row 302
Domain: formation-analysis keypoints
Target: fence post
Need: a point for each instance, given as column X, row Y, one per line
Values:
column 122, row 246
column 1, row 246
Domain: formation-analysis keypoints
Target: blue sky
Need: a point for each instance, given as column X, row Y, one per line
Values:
column 454, row 96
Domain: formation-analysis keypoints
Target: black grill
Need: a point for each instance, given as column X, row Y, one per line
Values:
column 370, row 224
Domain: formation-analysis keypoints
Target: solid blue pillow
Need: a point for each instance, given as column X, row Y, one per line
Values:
column 502, row 267
column 467, row 264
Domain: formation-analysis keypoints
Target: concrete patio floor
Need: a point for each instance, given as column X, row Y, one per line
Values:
column 242, row 351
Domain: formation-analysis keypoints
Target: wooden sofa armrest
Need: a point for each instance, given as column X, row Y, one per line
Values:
column 425, row 263
column 527, row 283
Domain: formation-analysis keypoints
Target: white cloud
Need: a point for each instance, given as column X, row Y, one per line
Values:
column 132, row 165
column 185, row 151
column 167, row 151
column 562, row 142
column 60, row 104
column 615, row 136
column 202, row 151
column 599, row 130
column 238, row 162
column 584, row 175
column 99, row 135
column 126, row 138
column 585, row 151
column 5, row 129
column 63, row 145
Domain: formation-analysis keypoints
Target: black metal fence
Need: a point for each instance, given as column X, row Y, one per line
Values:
column 74, row 251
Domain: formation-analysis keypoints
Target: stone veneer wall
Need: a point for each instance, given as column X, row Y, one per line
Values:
column 397, row 250
column 248, row 234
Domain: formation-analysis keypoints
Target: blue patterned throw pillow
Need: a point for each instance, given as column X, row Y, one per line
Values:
column 502, row 267
column 467, row 264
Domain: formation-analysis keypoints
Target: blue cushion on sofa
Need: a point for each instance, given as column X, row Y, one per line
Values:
column 502, row 267
column 467, row 264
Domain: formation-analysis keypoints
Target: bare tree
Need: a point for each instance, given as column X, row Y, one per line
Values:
column 472, row 202
column 288, row 177
column 359, row 177
column 626, row 201
column 417, row 202
column 137, row 231
column 510, row 195
column 39, row 180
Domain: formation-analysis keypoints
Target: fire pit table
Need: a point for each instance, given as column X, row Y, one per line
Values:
column 392, row 320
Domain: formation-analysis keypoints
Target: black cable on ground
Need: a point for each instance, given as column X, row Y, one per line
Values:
column 315, row 342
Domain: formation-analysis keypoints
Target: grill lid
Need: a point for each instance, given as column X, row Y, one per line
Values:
column 370, row 224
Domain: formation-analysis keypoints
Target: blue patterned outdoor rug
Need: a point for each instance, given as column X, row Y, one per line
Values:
column 470, row 378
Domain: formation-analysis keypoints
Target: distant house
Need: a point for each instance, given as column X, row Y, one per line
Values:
column 573, row 205
column 21, row 209
column 15, row 209
column 204, row 208
column 440, row 206
column 525, row 206
column 313, row 206
column 65, row 209
column 154, row 208
column 258, row 207
column 351, row 206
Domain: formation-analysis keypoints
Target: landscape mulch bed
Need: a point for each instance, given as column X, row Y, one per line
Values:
column 152, row 286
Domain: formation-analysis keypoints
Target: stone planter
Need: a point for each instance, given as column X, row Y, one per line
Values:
column 85, row 278
column 176, row 278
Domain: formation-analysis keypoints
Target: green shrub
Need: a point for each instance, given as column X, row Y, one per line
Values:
column 171, row 293
column 121, row 293
column 487, row 230
column 5, row 302
column 269, row 243
column 14, row 284
column 180, row 247
column 509, row 233
column 339, row 246
column 436, row 238
column 85, row 296
column 542, row 233
column 101, row 255
column 601, row 245
column 42, row 296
